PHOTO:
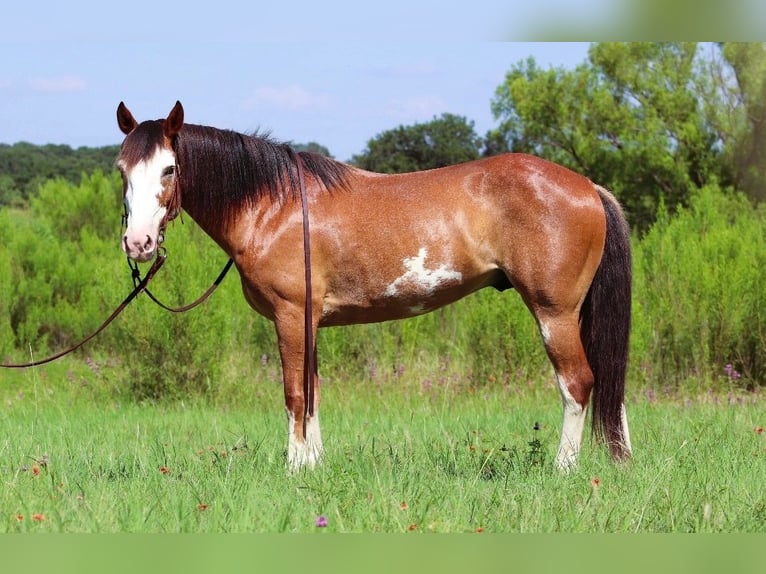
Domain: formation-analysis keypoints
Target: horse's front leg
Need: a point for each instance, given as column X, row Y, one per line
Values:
column 304, row 446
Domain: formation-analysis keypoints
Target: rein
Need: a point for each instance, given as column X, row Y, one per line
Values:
column 139, row 285
column 309, row 357
column 183, row 308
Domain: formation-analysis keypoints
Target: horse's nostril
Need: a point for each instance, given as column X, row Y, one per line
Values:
column 149, row 243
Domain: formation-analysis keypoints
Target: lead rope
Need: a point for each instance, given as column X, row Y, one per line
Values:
column 309, row 356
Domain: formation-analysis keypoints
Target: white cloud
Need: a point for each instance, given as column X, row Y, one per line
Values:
column 293, row 98
column 58, row 85
column 417, row 108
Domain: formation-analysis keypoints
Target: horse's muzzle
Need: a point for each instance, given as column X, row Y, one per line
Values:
column 141, row 249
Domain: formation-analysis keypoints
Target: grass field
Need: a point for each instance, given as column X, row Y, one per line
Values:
column 400, row 457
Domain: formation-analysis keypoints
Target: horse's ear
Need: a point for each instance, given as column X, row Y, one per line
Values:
column 125, row 119
column 175, row 121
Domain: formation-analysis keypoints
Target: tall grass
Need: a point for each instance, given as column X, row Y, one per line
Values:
column 400, row 458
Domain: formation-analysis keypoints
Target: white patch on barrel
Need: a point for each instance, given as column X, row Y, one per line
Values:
column 421, row 280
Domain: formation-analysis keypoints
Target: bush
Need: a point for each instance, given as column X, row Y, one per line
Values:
column 170, row 355
column 699, row 292
column 698, row 307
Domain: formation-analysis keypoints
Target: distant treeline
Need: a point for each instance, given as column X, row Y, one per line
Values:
column 25, row 166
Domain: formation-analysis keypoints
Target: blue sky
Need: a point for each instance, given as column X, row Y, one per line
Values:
column 337, row 94
column 337, row 72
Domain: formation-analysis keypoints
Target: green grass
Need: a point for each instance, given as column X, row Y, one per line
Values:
column 400, row 457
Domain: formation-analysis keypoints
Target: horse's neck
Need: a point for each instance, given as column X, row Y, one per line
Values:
column 225, row 231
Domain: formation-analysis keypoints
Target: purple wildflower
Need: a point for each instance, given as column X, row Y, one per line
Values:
column 731, row 372
column 321, row 521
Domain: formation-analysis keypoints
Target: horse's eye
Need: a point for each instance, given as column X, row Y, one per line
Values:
column 170, row 170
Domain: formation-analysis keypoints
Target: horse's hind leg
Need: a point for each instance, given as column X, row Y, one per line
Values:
column 561, row 335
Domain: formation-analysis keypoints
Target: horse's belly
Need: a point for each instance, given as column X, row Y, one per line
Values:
column 408, row 296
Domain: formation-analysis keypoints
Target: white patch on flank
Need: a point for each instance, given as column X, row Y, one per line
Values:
column 419, row 278
column 571, row 430
column 302, row 452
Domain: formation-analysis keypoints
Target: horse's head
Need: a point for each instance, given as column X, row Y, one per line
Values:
column 149, row 169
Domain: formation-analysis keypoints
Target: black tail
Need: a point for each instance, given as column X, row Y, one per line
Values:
column 605, row 330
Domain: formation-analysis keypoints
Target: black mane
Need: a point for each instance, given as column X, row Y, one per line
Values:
column 223, row 170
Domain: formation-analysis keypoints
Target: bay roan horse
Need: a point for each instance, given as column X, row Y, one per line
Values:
column 395, row 246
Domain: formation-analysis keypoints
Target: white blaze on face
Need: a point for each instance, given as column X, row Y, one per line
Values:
column 421, row 280
column 142, row 193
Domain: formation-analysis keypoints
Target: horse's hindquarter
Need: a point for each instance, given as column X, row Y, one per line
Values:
column 553, row 230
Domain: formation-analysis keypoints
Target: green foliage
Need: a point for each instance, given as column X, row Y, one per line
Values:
column 698, row 306
column 737, row 108
column 445, row 140
column 55, row 252
column 6, row 331
column 87, row 208
column 699, row 292
column 24, row 167
column 630, row 119
column 67, row 274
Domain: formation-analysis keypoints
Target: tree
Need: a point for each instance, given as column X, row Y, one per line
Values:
column 735, row 106
column 312, row 147
column 445, row 140
column 643, row 119
column 24, row 167
column 9, row 194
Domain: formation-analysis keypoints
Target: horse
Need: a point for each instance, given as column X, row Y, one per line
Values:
column 393, row 246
